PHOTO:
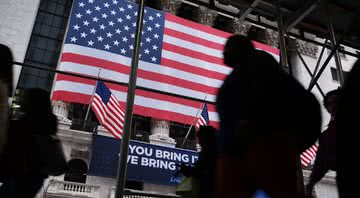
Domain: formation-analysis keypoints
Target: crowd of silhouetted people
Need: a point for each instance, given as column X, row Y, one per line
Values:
column 267, row 119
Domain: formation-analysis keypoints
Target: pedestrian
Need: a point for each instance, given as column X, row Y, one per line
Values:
column 266, row 120
column 204, row 169
column 32, row 152
column 347, row 125
column 326, row 154
column 6, row 60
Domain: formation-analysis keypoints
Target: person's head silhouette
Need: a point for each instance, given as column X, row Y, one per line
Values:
column 331, row 100
column 206, row 136
column 6, row 73
column 238, row 49
column 36, row 102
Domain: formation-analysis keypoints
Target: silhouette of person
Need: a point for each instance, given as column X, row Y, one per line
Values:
column 326, row 154
column 266, row 120
column 6, row 60
column 347, row 125
column 204, row 168
column 24, row 174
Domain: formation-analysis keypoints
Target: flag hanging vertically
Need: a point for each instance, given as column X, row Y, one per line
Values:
column 177, row 57
column 203, row 119
column 308, row 155
column 108, row 110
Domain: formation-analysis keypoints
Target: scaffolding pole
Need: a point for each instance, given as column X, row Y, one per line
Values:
column 337, row 56
column 249, row 10
column 122, row 167
column 283, row 51
column 284, row 64
column 319, row 59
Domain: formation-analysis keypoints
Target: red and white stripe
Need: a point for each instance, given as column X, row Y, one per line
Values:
column 200, row 122
column 307, row 156
column 110, row 116
column 191, row 65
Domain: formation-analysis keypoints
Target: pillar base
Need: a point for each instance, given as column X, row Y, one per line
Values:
column 64, row 123
column 159, row 139
column 160, row 130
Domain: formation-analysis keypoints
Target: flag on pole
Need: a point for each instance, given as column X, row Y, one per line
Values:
column 108, row 110
column 178, row 56
column 203, row 119
column 308, row 155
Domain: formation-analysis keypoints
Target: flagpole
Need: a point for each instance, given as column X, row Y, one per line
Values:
column 122, row 166
column 91, row 100
column 193, row 122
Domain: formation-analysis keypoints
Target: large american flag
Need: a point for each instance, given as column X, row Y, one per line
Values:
column 203, row 119
column 177, row 56
column 108, row 111
column 308, row 155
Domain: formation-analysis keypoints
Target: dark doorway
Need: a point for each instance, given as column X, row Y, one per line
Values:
column 77, row 171
column 134, row 185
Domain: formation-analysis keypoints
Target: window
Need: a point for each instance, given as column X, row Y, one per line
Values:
column 335, row 76
column 45, row 43
column 152, row 4
column 224, row 23
column 257, row 34
column 77, row 116
column 77, row 170
column 189, row 12
column 178, row 131
column 141, row 128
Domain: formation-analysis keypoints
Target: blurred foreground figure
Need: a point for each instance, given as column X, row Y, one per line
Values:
column 33, row 151
column 266, row 120
column 6, row 60
column 204, row 168
column 326, row 154
column 348, row 127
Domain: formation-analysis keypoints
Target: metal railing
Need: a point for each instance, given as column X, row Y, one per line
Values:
column 57, row 188
column 76, row 188
column 128, row 193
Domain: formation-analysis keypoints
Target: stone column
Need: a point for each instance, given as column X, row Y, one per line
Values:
column 171, row 6
column 207, row 16
column 160, row 133
column 241, row 27
column 61, row 110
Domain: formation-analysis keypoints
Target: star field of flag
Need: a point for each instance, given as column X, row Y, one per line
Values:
column 205, row 114
column 203, row 120
column 110, row 25
column 103, row 92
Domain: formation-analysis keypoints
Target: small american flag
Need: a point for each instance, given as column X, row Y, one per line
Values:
column 307, row 156
column 108, row 110
column 203, row 120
